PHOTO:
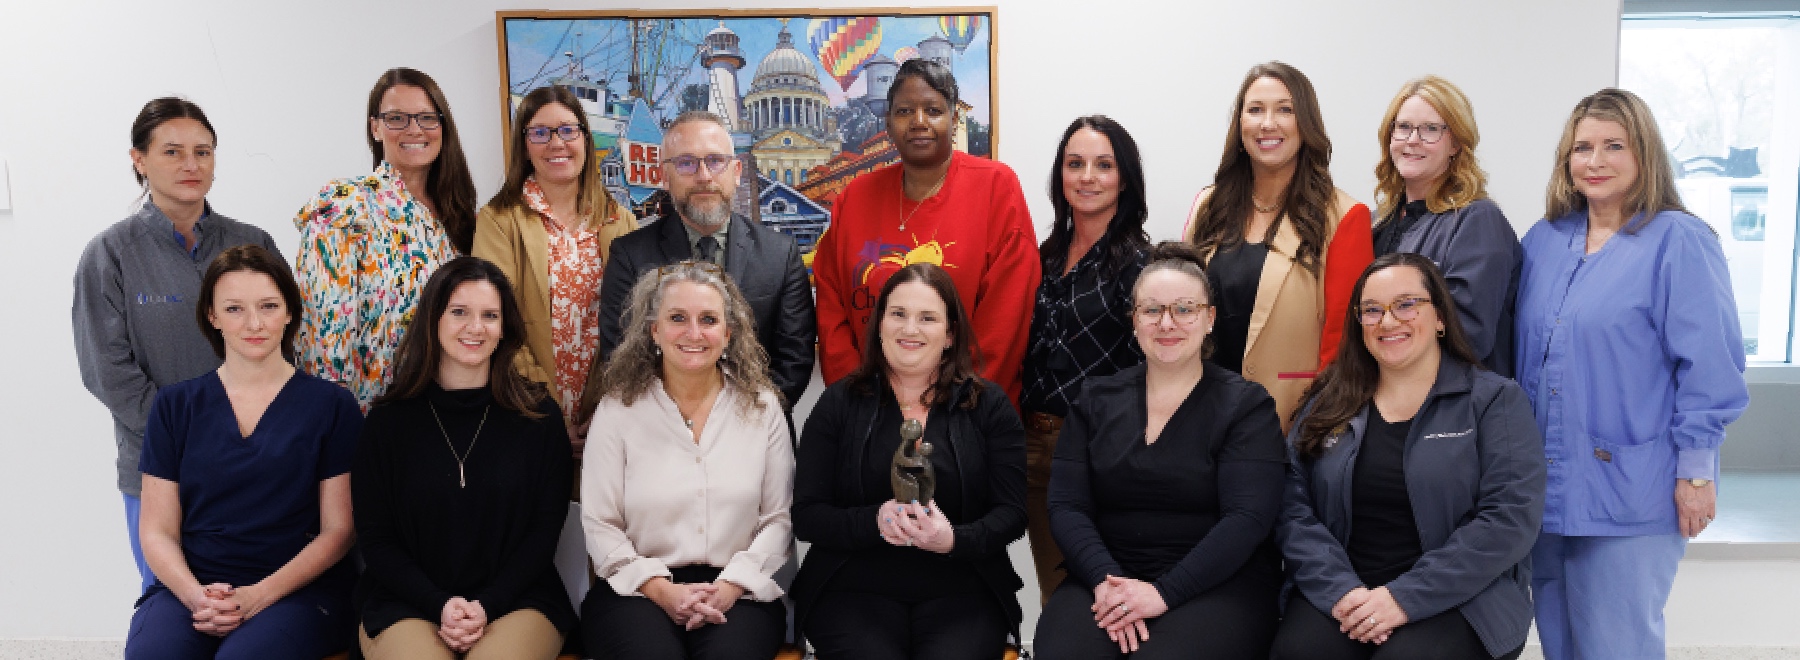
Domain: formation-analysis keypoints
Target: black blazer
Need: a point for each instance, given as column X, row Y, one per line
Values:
column 764, row 263
column 989, row 445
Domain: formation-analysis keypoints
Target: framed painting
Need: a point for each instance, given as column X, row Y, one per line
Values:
column 804, row 90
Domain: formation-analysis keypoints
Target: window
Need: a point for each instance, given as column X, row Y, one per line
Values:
column 1725, row 88
column 778, row 207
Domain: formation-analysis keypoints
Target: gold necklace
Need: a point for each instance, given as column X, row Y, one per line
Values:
column 461, row 478
column 906, row 217
column 1260, row 208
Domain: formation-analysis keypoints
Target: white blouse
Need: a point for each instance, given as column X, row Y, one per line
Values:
column 652, row 498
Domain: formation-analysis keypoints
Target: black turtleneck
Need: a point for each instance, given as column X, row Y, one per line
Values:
column 426, row 538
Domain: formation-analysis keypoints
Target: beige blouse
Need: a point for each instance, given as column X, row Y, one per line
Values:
column 652, row 498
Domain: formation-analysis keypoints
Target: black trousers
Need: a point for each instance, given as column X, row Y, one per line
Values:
column 1233, row 621
column 849, row 625
column 1308, row 634
column 619, row 627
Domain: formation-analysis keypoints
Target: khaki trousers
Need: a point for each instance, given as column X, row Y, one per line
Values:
column 522, row 635
column 1040, row 447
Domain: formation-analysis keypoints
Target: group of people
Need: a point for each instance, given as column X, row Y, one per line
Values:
column 1294, row 433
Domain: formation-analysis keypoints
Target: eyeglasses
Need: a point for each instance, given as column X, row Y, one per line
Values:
column 1185, row 312
column 686, row 165
column 704, row 266
column 397, row 121
column 1428, row 133
column 541, row 134
column 1404, row 309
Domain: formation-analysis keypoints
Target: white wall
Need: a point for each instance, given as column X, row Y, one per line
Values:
column 284, row 83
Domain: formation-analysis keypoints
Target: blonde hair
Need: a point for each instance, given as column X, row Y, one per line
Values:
column 1654, row 190
column 1464, row 182
column 637, row 364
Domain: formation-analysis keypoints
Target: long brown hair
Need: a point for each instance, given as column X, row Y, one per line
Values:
column 1652, row 193
column 448, row 183
column 1464, row 182
column 960, row 363
column 1126, row 229
column 1349, row 382
column 256, row 259
column 416, row 361
column 637, row 363
column 591, row 199
column 1220, row 220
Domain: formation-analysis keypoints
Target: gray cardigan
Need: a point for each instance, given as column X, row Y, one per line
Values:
column 1479, row 254
column 135, row 332
column 1474, row 466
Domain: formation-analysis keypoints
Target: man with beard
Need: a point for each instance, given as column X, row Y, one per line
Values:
column 701, row 174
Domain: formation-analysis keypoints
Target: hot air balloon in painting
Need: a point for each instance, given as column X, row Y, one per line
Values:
column 960, row 30
column 843, row 44
column 905, row 53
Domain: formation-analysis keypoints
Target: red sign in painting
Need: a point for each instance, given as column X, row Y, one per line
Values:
column 643, row 164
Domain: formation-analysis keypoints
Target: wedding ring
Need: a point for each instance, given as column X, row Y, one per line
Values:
column 909, row 542
column 1125, row 609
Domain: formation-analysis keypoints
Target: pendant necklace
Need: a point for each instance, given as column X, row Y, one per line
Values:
column 461, row 477
column 904, row 216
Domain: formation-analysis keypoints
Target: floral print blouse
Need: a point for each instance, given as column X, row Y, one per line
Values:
column 366, row 250
column 575, row 271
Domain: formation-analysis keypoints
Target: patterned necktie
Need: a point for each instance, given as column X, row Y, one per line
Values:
column 708, row 247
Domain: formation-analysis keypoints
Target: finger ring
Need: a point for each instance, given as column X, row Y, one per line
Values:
column 909, row 542
column 1126, row 609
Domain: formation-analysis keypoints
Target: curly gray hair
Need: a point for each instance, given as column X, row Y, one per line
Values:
column 635, row 364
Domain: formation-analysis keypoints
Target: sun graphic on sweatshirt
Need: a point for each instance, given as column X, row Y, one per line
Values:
column 877, row 261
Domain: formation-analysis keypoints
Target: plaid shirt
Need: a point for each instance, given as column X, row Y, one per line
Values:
column 1080, row 329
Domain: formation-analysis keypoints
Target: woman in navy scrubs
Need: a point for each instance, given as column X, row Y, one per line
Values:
column 246, row 504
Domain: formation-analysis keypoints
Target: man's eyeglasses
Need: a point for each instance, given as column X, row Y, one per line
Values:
column 686, row 165
column 1428, row 132
column 1404, row 309
column 1185, row 312
column 541, row 134
column 397, row 121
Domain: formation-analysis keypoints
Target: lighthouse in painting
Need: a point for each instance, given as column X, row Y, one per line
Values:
column 722, row 60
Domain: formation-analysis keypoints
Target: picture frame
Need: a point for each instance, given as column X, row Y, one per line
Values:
column 804, row 91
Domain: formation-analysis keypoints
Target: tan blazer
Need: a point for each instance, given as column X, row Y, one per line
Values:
column 515, row 240
column 1287, row 327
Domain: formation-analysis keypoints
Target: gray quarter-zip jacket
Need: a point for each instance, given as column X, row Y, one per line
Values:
column 133, row 315
column 1474, row 466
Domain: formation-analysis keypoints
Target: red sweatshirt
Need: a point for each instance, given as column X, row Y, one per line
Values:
column 977, row 227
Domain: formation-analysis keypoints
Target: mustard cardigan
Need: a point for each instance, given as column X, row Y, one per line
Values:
column 514, row 239
column 1299, row 317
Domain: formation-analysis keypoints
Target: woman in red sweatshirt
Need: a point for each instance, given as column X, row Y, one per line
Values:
column 964, row 213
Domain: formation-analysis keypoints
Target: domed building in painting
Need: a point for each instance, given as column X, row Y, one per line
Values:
column 787, row 114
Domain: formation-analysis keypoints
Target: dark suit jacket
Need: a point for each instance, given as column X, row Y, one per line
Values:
column 764, row 263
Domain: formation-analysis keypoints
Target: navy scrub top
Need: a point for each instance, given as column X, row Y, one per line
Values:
column 249, row 505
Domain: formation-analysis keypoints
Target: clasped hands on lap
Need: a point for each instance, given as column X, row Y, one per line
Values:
column 220, row 608
column 917, row 525
column 1121, row 605
column 692, row 605
column 463, row 622
column 1368, row 615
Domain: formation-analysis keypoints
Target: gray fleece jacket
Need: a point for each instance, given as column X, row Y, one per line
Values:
column 135, row 331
